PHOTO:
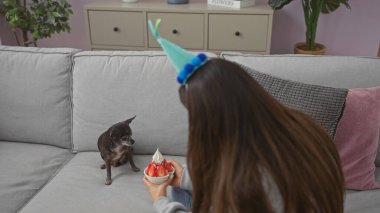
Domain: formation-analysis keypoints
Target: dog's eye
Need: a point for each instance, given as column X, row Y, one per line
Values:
column 125, row 138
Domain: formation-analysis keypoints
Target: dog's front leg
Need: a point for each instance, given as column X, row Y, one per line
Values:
column 133, row 166
column 108, row 167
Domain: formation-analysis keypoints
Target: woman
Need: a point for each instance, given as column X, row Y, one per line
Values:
column 249, row 153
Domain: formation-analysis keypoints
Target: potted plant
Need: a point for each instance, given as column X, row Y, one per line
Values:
column 311, row 10
column 38, row 18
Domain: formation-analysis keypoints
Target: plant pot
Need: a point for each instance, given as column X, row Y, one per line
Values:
column 299, row 48
column 178, row 1
column 129, row 1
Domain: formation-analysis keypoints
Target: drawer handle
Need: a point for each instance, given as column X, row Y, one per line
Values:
column 174, row 31
column 237, row 33
column 116, row 29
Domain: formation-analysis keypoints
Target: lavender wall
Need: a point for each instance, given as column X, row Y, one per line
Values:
column 344, row 32
column 5, row 33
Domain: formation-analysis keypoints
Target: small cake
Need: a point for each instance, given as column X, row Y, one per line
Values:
column 159, row 170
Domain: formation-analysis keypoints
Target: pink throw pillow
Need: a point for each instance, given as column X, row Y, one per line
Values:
column 357, row 138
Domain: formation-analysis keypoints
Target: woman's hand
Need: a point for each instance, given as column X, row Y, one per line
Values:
column 178, row 173
column 156, row 191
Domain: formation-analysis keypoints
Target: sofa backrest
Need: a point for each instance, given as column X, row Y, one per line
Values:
column 333, row 71
column 35, row 103
column 109, row 87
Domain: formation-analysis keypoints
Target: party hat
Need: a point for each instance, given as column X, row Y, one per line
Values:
column 184, row 61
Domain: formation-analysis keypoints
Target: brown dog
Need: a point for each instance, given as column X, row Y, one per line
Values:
column 115, row 146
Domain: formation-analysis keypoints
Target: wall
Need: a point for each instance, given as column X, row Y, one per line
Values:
column 5, row 33
column 344, row 32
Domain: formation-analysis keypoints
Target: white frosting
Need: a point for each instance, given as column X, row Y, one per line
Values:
column 157, row 157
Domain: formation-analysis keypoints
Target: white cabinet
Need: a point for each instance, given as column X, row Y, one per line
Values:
column 195, row 26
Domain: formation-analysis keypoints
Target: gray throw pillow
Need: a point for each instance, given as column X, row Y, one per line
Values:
column 324, row 104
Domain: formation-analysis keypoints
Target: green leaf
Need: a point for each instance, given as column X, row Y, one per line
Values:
column 56, row 14
column 9, row 3
column 35, row 35
column 278, row 4
column 332, row 5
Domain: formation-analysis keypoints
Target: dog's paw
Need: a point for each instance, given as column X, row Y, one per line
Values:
column 116, row 164
column 135, row 169
column 102, row 166
column 108, row 182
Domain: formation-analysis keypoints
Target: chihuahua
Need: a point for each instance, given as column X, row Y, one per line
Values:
column 115, row 146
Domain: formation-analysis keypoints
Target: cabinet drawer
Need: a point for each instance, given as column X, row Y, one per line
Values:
column 238, row 32
column 186, row 30
column 116, row 28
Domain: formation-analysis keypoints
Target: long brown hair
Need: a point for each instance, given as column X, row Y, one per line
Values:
column 241, row 138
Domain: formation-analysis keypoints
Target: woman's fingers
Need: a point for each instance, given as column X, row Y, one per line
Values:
column 176, row 165
column 178, row 173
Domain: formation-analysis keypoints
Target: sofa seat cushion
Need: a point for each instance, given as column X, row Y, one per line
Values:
column 25, row 169
column 79, row 187
column 363, row 201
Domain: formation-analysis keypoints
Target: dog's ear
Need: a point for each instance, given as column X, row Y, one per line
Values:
column 130, row 120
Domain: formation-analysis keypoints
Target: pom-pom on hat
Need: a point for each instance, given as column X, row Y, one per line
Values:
column 184, row 61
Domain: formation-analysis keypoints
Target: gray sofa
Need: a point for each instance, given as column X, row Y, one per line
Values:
column 54, row 103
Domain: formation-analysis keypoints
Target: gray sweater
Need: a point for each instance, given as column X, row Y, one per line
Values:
column 164, row 205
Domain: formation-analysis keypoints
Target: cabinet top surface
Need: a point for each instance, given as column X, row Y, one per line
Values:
column 163, row 6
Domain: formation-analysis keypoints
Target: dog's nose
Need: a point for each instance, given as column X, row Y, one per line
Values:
column 132, row 141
